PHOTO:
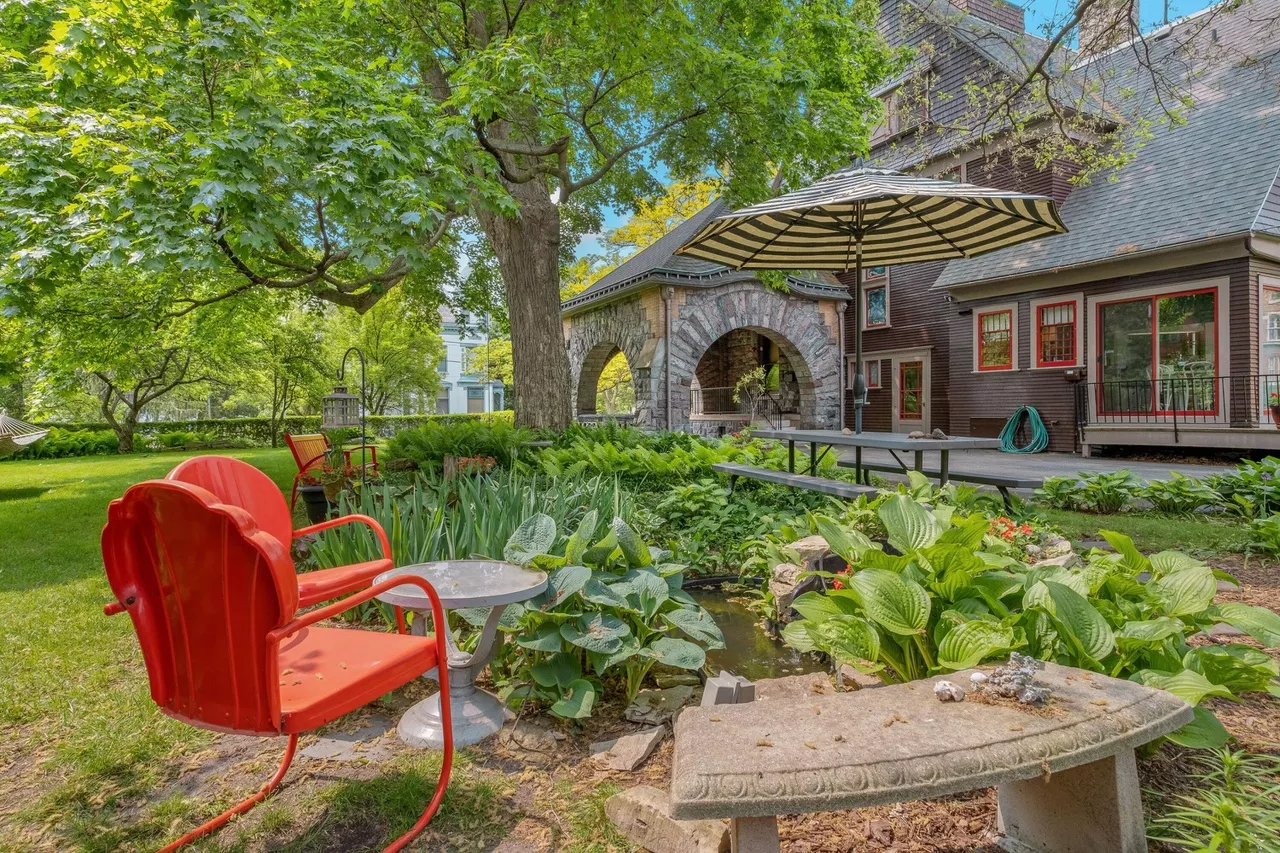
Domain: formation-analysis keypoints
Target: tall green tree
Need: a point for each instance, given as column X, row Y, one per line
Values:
column 401, row 348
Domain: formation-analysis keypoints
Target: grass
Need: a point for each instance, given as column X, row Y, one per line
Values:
column 1198, row 534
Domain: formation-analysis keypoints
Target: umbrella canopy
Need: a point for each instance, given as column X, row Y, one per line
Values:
column 15, row 434
column 863, row 216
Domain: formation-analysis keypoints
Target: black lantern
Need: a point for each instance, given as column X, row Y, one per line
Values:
column 340, row 409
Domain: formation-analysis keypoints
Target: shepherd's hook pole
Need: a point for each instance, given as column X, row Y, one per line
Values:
column 342, row 371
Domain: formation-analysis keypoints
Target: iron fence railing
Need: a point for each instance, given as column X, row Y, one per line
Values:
column 1178, row 401
column 719, row 401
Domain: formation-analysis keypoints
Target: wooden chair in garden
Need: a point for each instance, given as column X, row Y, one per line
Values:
column 239, row 484
column 312, row 451
column 214, row 600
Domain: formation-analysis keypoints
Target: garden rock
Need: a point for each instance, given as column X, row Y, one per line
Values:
column 675, row 679
column 655, row 707
column 640, row 814
column 1055, row 546
column 794, row 686
column 810, row 551
column 1066, row 561
column 627, row 752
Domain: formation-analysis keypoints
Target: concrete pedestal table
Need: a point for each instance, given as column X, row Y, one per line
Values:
column 461, row 584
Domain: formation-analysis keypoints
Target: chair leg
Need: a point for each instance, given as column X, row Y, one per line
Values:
column 446, row 766
column 244, row 806
column 400, row 623
column 293, row 495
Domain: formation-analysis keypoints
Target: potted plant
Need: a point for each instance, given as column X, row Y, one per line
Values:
column 319, row 488
column 1273, row 403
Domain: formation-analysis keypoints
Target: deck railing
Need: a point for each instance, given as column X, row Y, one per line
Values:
column 1176, row 402
column 719, row 401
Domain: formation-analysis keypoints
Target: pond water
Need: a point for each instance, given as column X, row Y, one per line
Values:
column 749, row 651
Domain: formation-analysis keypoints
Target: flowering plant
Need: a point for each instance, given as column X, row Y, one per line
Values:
column 328, row 474
column 1011, row 531
column 1273, row 400
column 476, row 464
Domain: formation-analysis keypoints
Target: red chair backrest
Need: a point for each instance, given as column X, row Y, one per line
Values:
column 309, row 451
column 239, row 484
column 203, row 586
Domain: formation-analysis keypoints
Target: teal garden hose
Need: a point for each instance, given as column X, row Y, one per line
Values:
column 1039, row 435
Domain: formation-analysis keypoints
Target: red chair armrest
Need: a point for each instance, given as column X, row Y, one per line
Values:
column 347, row 519
column 320, row 614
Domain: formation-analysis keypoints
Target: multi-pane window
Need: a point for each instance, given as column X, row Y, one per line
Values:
column 877, row 306
column 995, row 340
column 475, row 399
column 872, row 373
column 910, row 390
column 1056, row 335
column 1273, row 328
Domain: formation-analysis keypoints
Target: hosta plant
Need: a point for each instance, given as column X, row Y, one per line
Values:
column 1107, row 491
column 612, row 609
column 956, row 596
column 1061, row 492
column 1179, row 495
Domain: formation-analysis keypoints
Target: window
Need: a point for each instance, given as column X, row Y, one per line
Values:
column 910, row 390
column 995, row 339
column 1159, row 353
column 475, row 400
column 874, row 273
column 872, row 372
column 875, row 307
column 1056, row 334
column 1273, row 328
column 442, row 402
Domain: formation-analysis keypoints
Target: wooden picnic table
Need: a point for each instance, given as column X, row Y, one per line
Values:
column 891, row 441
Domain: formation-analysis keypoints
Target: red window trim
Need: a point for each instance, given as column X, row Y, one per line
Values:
column 866, row 304
column 1075, row 319
column 903, row 415
column 1155, row 334
column 991, row 367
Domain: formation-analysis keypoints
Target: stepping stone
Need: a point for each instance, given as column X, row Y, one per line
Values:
column 655, row 707
column 641, row 815
column 627, row 752
column 361, row 745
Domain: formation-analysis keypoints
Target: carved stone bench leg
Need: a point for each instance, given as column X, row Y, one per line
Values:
column 1093, row 808
column 754, row 835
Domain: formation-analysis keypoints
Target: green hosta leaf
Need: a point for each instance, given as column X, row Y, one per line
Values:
column 1167, row 562
column 1066, row 577
column 599, row 632
column 581, row 538
column 1204, row 732
column 1185, row 592
column 633, row 547
column 848, row 544
column 546, row 562
column 645, row 591
column 797, row 636
column 599, row 553
column 1238, row 668
column 474, row 616
column 815, row 607
column 909, row 525
column 561, row 584
column 1258, row 622
column 543, row 638
column 698, row 624
column 1080, row 620
column 598, row 591
column 534, row 536
column 559, row 670
column 600, row 661
column 848, row 639
column 1096, row 573
column 577, row 701
column 971, row 643
column 895, row 604
column 1189, row 686
column 967, row 533
column 676, row 652
column 1148, row 632
column 1131, row 557
column 877, row 559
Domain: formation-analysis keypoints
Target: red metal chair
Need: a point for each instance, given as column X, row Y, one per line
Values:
column 312, row 451
column 213, row 599
column 237, row 483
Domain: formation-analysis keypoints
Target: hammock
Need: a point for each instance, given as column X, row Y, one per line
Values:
column 15, row 435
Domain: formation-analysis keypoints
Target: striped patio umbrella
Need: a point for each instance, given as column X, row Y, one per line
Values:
column 864, row 216
column 15, row 434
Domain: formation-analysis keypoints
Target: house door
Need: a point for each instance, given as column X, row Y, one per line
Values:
column 911, row 402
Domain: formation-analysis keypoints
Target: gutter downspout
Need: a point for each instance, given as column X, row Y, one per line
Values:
column 666, row 349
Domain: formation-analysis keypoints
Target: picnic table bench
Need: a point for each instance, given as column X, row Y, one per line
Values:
column 837, row 488
column 1002, row 483
column 1067, row 774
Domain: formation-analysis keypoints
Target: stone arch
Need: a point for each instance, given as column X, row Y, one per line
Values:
column 593, row 364
column 594, row 337
column 800, row 328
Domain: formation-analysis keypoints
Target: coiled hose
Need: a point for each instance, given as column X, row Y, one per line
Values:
column 1039, row 435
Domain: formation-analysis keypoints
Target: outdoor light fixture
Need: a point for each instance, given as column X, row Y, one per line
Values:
column 340, row 409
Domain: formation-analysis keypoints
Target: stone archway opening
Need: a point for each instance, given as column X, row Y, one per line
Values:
column 734, row 355
column 605, row 384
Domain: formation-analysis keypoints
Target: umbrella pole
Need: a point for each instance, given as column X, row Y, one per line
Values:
column 860, row 381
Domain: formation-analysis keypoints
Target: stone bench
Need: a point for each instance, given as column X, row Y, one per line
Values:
column 1067, row 773
column 837, row 488
column 1002, row 483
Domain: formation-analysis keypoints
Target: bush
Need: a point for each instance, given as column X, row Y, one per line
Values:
column 1061, row 493
column 1252, row 489
column 1179, row 496
column 61, row 443
column 427, row 446
column 1108, row 491
column 957, row 596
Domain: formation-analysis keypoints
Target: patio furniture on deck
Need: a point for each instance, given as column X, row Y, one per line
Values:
column 312, row 450
column 239, row 484
column 213, row 598
column 1001, row 483
column 890, row 441
column 835, row 488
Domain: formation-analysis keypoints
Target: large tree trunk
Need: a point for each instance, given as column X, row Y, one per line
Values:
column 528, row 250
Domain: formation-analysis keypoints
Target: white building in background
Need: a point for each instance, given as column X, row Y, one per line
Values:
column 461, row 391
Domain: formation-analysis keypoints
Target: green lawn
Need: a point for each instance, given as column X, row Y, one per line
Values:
column 1198, row 534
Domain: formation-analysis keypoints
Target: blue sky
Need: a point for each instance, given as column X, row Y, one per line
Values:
column 1039, row 13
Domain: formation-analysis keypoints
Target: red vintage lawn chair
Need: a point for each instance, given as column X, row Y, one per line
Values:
column 311, row 451
column 214, row 599
column 237, row 483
